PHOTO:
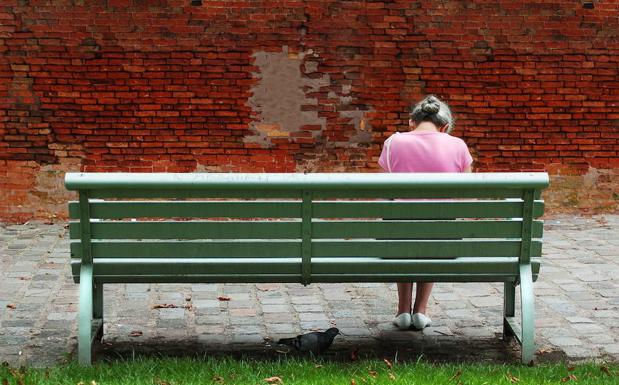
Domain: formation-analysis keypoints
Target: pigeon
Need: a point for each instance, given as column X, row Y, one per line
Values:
column 314, row 342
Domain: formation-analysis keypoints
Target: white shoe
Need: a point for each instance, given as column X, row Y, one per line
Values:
column 420, row 321
column 402, row 321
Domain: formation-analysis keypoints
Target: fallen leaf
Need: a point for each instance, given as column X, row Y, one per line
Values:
column 188, row 298
column 571, row 369
column 513, row 379
column 267, row 286
column 571, row 377
column 136, row 333
column 544, row 351
column 274, row 380
column 11, row 306
column 373, row 373
column 391, row 376
column 353, row 382
column 388, row 363
column 159, row 381
column 318, row 366
column 606, row 370
column 223, row 298
column 218, row 379
column 165, row 306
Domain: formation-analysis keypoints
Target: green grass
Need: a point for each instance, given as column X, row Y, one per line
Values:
column 219, row 371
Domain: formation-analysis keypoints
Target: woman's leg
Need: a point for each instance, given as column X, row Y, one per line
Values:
column 419, row 319
column 422, row 296
column 403, row 318
column 405, row 297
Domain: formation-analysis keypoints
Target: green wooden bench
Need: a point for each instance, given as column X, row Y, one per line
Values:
column 304, row 228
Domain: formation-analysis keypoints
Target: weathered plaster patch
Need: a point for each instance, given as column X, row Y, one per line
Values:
column 280, row 98
column 47, row 197
column 287, row 101
column 595, row 191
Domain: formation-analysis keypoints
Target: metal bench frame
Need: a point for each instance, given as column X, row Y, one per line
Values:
column 310, row 228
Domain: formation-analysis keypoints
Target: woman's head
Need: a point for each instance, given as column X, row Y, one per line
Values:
column 432, row 109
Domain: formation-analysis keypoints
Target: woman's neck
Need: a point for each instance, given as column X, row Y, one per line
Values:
column 426, row 127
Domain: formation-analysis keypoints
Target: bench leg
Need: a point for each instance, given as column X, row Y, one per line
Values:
column 97, row 310
column 527, row 314
column 84, row 341
column 509, row 309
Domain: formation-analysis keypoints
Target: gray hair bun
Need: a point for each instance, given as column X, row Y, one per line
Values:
column 432, row 109
column 430, row 105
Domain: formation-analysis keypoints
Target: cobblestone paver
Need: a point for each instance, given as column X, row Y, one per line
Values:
column 577, row 305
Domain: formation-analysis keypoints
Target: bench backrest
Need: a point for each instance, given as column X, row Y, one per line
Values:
column 305, row 217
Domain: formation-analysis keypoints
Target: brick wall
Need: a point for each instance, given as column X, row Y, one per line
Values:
column 302, row 85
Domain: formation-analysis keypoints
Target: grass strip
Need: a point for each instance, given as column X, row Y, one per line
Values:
column 220, row 371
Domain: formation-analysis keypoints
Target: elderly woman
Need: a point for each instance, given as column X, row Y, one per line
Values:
column 428, row 147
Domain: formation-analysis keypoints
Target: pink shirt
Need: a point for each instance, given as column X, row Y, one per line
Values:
column 424, row 151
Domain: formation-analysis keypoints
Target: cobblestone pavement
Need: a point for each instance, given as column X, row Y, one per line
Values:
column 577, row 308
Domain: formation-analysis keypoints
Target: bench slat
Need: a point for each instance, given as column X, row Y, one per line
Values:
column 323, row 269
column 292, row 229
column 421, row 249
column 467, row 266
column 190, row 209
column 424, row 209
column 191, row 230
column 320, row 209
column 379, row 192
column 314, row 181
column 421, row 229
column 295, row 278
column 191, row 249
column 291, row 248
